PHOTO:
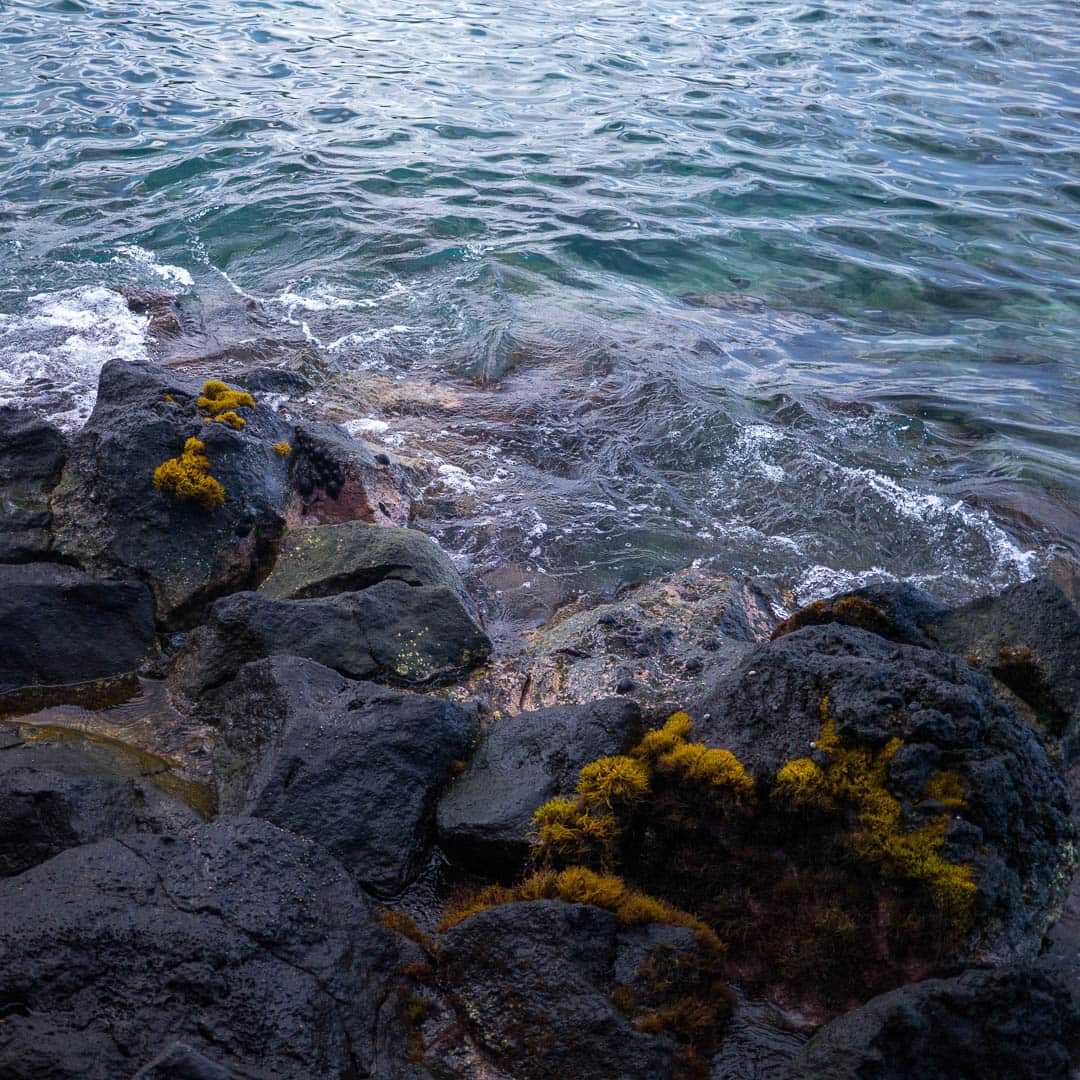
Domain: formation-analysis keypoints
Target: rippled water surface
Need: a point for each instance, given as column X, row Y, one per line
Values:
column 793, row 287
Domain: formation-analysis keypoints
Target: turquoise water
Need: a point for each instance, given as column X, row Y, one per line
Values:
column 788, row 287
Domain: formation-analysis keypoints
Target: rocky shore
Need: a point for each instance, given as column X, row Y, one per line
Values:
column 272, row 805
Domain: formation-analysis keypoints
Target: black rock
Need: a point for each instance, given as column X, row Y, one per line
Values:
column 62, row 790
column 523, row 761
column 1014, row 1022
column 535, row 981
column 252, row 947
column 59, row 626
column 109, row 517
column 31, row 456
column 354, row 766
column 411, row 636
column 1016, row 831
column 274, row 381
column 1028, row 637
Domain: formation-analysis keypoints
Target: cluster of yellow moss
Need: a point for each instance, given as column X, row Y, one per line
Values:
column 220, row 402
column 587, row 826
column 578, row 885
column 188, row 477
column 282, row 449
column 850, row 611
column 856, row 777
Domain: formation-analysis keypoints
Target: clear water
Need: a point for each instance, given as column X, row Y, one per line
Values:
column 790, row 287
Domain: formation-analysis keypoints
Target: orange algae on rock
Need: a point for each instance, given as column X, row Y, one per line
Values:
column 282, row 449
column 188, row 478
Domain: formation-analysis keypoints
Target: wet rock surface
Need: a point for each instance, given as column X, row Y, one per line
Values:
column 57, row 792
column 110, row 518
column 654, row 644
column 31, row 456
column 535, row 982
column 249, row 944
column 524, row 760
column 352, row 766
column 1012, row 1022
column 391, row 631
column 61, row 626
column 1016, row 831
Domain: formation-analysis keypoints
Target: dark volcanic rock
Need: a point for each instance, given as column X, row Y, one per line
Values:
column 535, row 982
column 356, row 767
column 57, row 793
column 392, row 631
column 983, row 1025
column 337, row 478
column 31, row 456
column 324, row 560
column 1028, row 637
column 523, row 761
column 62, row 627
column 1016, row 832
column 249, row 945
column 109, row 517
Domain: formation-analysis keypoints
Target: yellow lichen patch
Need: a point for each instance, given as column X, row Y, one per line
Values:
column 662, row 740
column 233, row 419
column 858, row 776
column 946, row 788
column 188, row 478
column 801, row 785
column 218, row 398
column 849, row 611
column 720, row 770
column 578, row 885
column 611, row 781
column 282, row 448
column 571, row 829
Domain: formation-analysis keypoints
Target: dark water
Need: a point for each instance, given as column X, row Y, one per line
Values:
column 792, row 287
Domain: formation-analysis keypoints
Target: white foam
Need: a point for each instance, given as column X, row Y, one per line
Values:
column 54, row 350
column 366, row 425
column 147, row 261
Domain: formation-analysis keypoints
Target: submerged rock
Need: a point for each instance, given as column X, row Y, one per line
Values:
column 110, row 518
column 58, row 790
column 31, row 456
column 251, row 946
column 654, row 642
column 353, row 766
column 983, row 1025
column 524, row 760
column 61, row 627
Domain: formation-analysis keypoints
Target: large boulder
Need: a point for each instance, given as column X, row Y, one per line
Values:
column 110, row 518
column 251, row 946
column 1012, row 826
column 1012, row 1022
column 318, row 561
column 31, row 456
column 409, row 635
column 484, row 818
column 59, row 790
column 62, row 627
column 535, row 982
column 1026, row 637
column 353, row 766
